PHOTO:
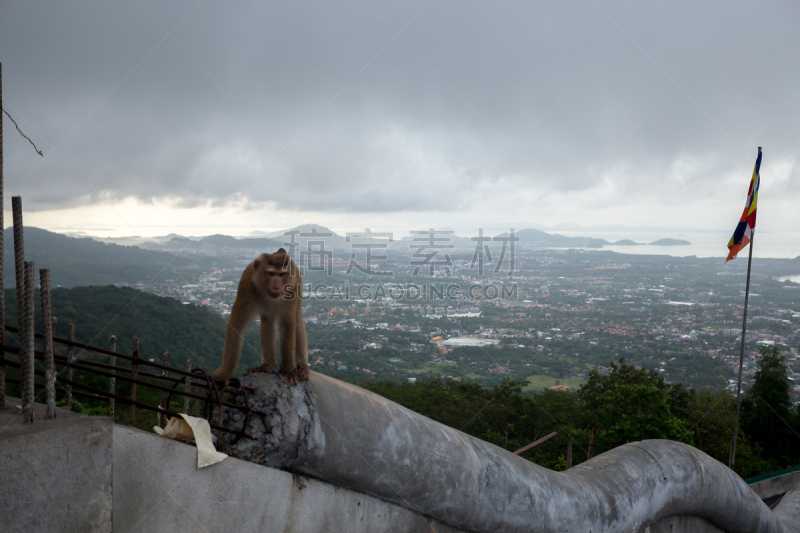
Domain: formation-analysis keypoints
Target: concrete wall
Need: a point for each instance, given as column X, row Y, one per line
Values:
column 85, row 474
column 157, row 487
column 55, row 475
column 683, row 524
column 776, row 485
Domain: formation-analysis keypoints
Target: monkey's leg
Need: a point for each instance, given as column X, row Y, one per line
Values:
column 234, row 334
column 301, row 348
column 266, row 337
column 288, row 343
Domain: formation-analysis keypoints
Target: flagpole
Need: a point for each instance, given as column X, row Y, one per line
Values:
column 732, row 456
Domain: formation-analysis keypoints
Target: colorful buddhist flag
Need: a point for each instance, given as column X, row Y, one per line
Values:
column 747, row 224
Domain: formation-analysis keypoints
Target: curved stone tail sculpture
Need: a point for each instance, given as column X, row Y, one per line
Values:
column 356, row 439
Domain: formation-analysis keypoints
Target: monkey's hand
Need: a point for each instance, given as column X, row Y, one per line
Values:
column 264, row 367
column 300, row 373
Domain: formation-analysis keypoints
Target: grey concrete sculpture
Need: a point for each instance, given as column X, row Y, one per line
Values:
column 350, row 437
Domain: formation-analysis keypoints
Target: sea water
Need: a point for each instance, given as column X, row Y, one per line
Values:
column 703, row 244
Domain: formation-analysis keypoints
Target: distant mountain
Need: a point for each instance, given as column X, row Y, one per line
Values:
column 224, row 241
column 313, row 234
column 182, row 241
column 303, row 228
column 670, row 242
column 528, row 238
column 572, row 226
column 537, row 238
column 628, row 242
column 87, row 261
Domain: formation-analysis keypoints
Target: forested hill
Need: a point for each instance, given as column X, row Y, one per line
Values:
column 162, row 324
column 86, row 261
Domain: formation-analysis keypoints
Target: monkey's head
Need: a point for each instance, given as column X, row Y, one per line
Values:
column 273, row 272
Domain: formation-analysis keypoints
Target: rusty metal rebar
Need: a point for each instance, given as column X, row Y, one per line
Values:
column 112, row 382
column 100, row 394
column 94, row 368
column 27, row 342
column 197, row 403
column 536, row 443
column 162, row 418
column 2, row 259
column 569, row 453
column 19, row 272
column 187, row 387
column 47, row 344
column 592, row 440
column 70, row 360
column 97, row 349
column 134, row 374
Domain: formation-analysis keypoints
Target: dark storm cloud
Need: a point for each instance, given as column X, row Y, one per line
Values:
column 547, row 95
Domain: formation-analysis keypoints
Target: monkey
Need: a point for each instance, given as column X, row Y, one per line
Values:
column 272, row 289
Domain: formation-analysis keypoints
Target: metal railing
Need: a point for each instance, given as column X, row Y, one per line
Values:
column 193, row 385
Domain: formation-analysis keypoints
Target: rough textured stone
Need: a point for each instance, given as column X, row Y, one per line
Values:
column 279, row 437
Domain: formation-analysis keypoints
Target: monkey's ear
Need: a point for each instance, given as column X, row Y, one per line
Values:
column 255, row 264
column 280, row 250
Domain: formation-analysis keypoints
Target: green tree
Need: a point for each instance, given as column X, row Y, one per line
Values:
column 632, row 404
column 711, row 419
column 766, row 412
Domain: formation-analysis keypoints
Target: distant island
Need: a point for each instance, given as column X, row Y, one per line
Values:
column 628, row 242
column 670, row 242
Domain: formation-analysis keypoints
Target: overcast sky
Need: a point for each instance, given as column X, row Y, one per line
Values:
column 233, row 117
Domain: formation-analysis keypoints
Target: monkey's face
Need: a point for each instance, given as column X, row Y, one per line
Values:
column 276, row 279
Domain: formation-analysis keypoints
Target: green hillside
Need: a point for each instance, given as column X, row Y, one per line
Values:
column 88, row 262
column 162, row 324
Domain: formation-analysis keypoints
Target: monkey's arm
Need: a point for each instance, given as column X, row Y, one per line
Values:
column 301, row 348
column 241, row 318
column 266, row 337
column 288, row 339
